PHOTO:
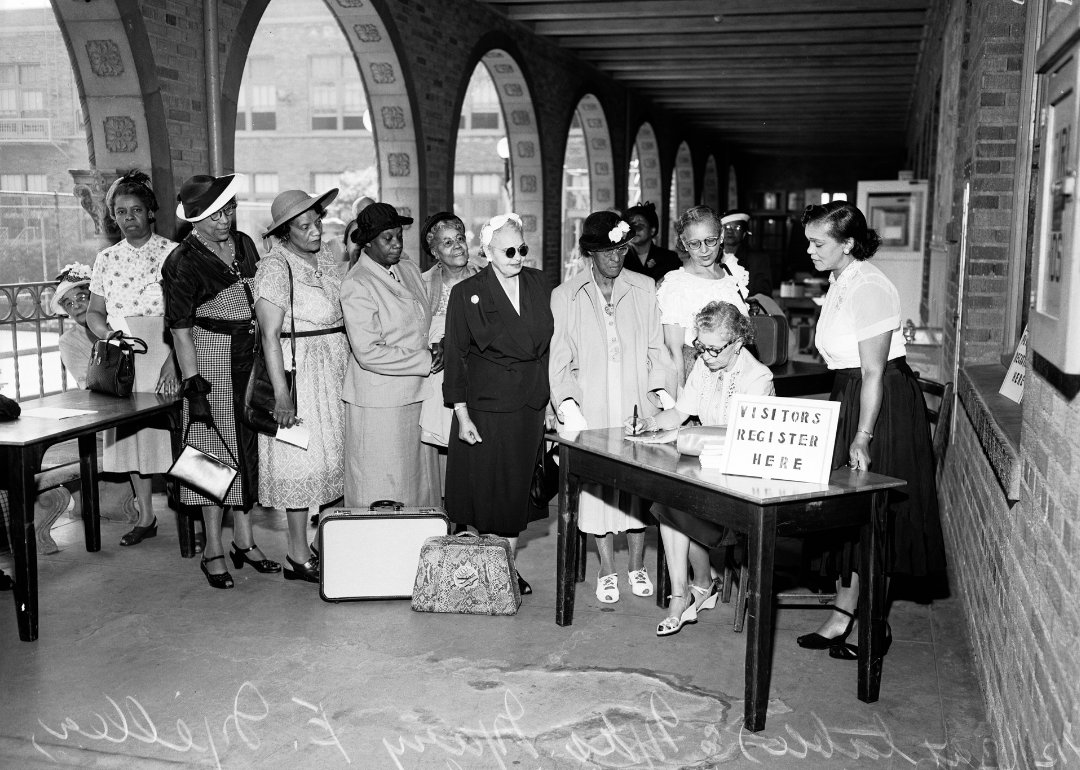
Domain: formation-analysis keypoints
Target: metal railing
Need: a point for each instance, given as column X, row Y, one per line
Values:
column 35, row 129
column 30, row 364
column 40, row 232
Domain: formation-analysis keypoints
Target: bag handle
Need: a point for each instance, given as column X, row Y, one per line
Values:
column 119, row 336
column 224, row 443
column 378, row 504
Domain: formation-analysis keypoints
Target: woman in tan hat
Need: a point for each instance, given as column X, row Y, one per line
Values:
column 209, row 307
column 297, row 303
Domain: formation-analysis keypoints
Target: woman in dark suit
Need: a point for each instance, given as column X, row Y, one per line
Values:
column 498, row 330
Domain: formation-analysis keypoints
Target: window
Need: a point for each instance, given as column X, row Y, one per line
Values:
column 461, row 184
column 256, row 104
column 337, row 98
column 322, row 182
column 266, row 184
column 486, row 184
column 485, row 120
column 37, row 183
column 24, row 182
column 22, row 91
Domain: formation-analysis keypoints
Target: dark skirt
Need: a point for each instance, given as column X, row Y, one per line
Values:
column 901, row 448
column 699, row 530
column 487, row 483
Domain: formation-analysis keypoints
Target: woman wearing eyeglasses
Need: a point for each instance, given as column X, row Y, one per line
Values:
column 209, row 306
column 608, row 359
column 703, row 279
column 723, row 368
column 126, row 295
column 498, row 330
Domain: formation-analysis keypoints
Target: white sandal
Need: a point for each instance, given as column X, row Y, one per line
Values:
column 708, row 596
column 640, row 583
column 673, row 624
column 607, row 588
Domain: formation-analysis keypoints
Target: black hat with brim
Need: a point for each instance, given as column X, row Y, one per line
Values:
column 376, row 218
column 604, row 230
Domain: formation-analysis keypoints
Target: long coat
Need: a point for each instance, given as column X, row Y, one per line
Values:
column 578, row 367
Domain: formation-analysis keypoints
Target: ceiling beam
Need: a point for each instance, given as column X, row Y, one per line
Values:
column 732, row 24
column 530, row 10
column 748, row 79
column 719, row 37
column 805, row 47
column 879, row 64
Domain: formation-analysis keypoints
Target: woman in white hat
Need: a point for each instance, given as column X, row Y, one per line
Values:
column 72, row 299
column 126, row 295
column 210, row 308
column 297, row 289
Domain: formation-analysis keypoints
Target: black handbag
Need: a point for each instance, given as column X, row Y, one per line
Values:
column 545, row 481
column 259, row 401
column 112, row 366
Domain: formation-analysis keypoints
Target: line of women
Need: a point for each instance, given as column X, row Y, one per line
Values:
column 440, row 384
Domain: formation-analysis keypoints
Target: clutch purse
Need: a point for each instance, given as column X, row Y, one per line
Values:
column 692, row 439
column 468, row 574
column 112, row 365
column 203, row 472
column 545, row 480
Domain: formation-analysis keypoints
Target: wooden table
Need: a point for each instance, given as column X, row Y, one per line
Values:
column 22, row 445
column 761, row 509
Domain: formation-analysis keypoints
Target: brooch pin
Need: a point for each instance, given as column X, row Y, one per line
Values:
column 474, row 299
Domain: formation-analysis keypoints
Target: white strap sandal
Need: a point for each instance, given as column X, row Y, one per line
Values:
column 674, row 623
column 640, row 583
column 607, row 588
column 705, row 598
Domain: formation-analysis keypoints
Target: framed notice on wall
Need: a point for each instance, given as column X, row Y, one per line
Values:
column 781, row 438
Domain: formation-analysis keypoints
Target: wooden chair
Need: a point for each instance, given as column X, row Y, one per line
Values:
column 939, row 407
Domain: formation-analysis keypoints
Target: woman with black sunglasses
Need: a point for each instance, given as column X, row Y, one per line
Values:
column 723, row 368
column 498, row 331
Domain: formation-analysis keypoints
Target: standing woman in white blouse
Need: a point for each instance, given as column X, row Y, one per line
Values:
column 703, row 279
column 883, row 425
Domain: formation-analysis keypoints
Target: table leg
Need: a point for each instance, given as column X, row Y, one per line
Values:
column 22, row 492
column 91, row 510
column 566, row 563
column 759, row 625
column 582, row 556
column 663, row 580
column 872, row 599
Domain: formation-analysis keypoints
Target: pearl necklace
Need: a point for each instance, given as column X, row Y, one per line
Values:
column 231, row 247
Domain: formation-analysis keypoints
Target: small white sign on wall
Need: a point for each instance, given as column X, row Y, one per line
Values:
column 781, row 438
column 1013, row 387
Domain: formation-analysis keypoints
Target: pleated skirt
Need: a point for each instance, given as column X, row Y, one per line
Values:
column 487, row 483
column 901, row 448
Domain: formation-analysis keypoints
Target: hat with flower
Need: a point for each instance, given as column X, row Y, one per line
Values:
column 604, row 230
column 71, row 277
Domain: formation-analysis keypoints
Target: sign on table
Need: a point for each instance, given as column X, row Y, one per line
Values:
column 1013, row 387
column 781, row 438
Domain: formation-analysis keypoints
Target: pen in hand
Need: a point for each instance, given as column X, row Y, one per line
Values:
column 635, row 419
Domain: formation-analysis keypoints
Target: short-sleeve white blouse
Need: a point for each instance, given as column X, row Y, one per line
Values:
column 129, row 278
column 681, row 295
column 861, row 303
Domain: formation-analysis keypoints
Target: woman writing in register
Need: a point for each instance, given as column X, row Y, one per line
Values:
column 723, row 368
column 883, row 425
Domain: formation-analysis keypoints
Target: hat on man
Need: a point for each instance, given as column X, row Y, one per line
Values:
column 293, row 203
column 73, row 276
column 376, row 218
column 203, row 195
column 734, row 215
column 604, row 230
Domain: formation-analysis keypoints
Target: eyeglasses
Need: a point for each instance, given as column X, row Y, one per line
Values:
column 70, row 301
column 458, row 240
column 710, row 350
column 618, row 251
column 226, row 211
column 523, row 250
column 696, row 244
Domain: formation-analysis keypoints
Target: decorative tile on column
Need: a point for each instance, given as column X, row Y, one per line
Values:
column 393, row 117
column 512, row 89
column 520, row 118
column 382, row 72
column 120, row 134
column 528, row 223
column 351, row 3
column 528, row 183
column 398, row 164
column 367, row 33
column 105, row 59
column 526, row 149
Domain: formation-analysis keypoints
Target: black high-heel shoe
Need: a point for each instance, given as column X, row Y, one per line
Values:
column 816, row 641
column 845, row 651
column 240, row 558
column 308, row 571
column 138, row 534
column 224, row 580
column 523, row 587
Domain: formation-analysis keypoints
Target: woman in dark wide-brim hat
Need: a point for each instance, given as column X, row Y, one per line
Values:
column 296, row 296
column 209, row 308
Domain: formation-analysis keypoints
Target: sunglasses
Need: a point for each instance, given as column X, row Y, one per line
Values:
column 710, row 350
column 696, row 244
column 523, row 250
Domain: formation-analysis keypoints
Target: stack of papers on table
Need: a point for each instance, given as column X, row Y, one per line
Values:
column 712, row 456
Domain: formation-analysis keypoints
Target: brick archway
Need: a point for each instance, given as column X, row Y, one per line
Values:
column 648, row 153
column 388, row 87
column 523, row 138
column 710, row 185
column 121, row 101
column 594, row 126
column 681, row 192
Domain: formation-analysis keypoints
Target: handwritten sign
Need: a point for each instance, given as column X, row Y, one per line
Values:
column 781, row 438
column 1013, row 387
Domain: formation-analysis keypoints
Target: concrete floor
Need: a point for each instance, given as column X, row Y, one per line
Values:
column 140, row 664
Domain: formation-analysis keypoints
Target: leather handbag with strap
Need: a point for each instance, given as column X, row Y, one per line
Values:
column 202, row 472
column 112, row 365
column 259, row 399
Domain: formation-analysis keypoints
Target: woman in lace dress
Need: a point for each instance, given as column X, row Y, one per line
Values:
column 703, row 279
column 299, row 283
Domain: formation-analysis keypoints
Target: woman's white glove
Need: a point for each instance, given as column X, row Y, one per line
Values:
column 571, row 417
column 664, row 399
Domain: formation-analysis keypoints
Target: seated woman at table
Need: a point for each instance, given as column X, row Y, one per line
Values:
column 883, row 425
column 72, row 298
column 608, row 358
column 723, row 368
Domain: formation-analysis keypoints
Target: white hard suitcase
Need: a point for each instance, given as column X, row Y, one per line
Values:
column 372, row 553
